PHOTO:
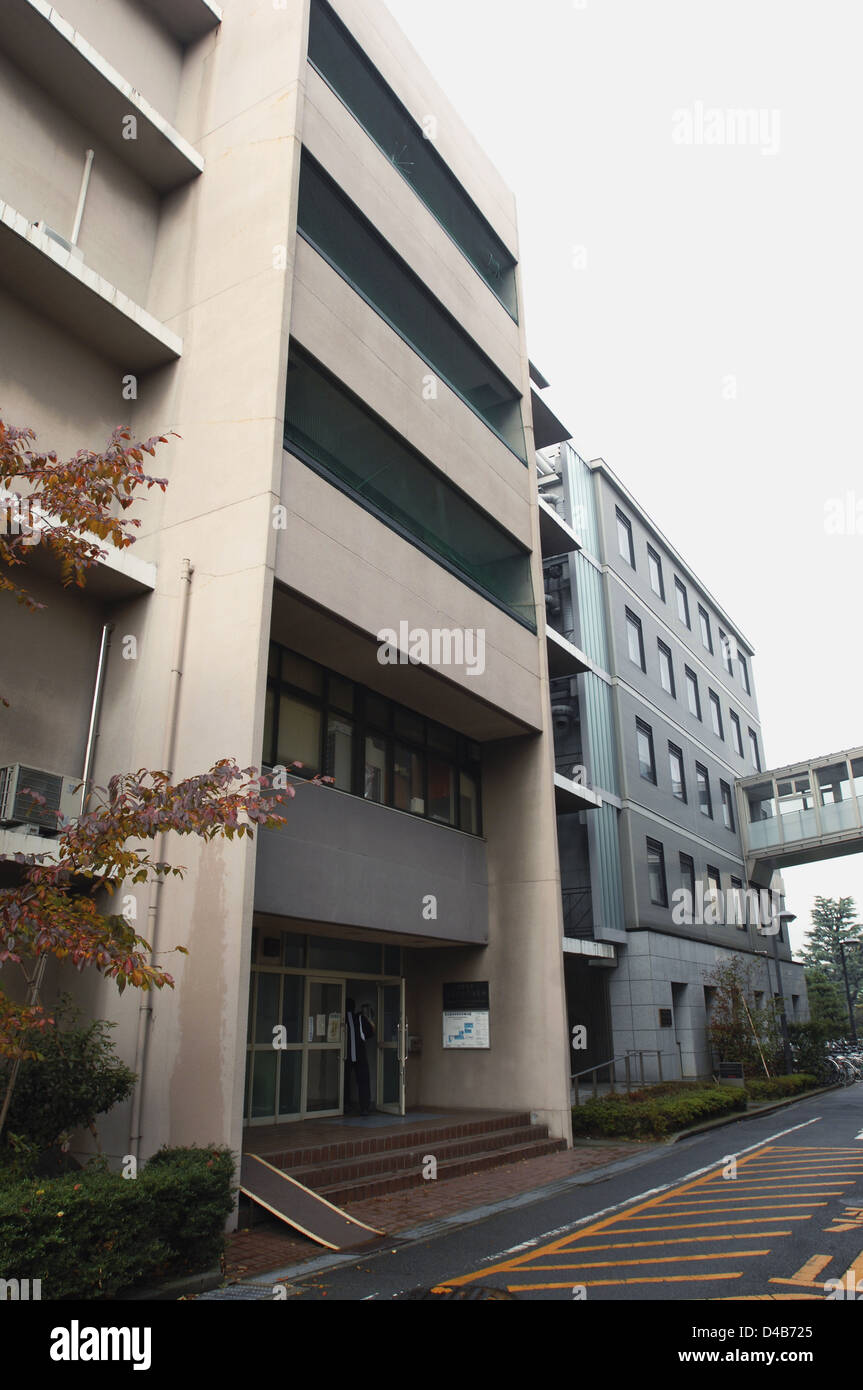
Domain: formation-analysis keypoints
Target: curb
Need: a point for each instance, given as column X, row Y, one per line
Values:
column 739, row 1115
column 175, row 1288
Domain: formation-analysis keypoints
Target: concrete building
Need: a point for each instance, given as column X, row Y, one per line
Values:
column 663, row 725
column 263, row 227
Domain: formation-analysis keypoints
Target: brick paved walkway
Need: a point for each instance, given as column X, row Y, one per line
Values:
column 274, row 1245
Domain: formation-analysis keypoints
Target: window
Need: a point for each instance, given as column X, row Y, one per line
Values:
column 727, row 653
column 656, row 873
column 678, row 776
column 344, row 236
column 738, row 736
column 727, row 806
column 349, row 72
column 666, row 669
column 657, row 583
column 635, row 639
column 713, row 896
column 706, row 634
column 705, row 805
column 716, row 715
column 687, row 879
column 692, row 696
column 646, row 760
column 736, row 915
column 336, row 434
column 744, row 672
column 624, row 539
column 682, row 602
column 753, row 744
column 371, row 747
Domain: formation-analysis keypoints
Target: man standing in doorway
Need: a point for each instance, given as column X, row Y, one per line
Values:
column 359, row 1029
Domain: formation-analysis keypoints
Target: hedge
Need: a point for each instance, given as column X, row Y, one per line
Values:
column 778, row 1086
column 91, row 1234
column 639, row 1116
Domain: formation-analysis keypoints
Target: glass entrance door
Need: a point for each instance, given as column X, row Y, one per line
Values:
column 392, row 1048
column 325, row 1014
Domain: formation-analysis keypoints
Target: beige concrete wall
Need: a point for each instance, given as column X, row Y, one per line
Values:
column 344, row 559
column 527, row 1065
column 215, row 282
column 41, row 164
column 134, row 41
column 347, row 336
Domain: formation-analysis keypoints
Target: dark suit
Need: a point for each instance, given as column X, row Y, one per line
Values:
column 358, row 1030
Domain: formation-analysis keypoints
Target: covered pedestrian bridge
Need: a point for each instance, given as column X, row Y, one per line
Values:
column 801, row 813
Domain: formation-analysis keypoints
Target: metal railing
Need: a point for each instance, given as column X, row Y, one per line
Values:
column 627, row 1059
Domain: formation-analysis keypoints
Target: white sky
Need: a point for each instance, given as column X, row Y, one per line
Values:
column 703, row 262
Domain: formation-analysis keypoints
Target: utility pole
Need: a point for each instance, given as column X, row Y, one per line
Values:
column 842, row 944
column 777, row 888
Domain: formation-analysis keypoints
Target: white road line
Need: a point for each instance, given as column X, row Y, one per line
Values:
column 642, row 1196
column 860, row 1135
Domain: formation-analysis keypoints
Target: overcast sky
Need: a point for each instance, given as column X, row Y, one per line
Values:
column 697, row 304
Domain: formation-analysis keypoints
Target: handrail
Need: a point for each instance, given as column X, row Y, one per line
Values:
column 624, row 1057
column 599, row 1066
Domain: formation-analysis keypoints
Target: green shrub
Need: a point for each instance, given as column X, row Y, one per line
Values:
column 92, row 1234
column 642, row 1116
column 778, row 1086
column 75, row 1078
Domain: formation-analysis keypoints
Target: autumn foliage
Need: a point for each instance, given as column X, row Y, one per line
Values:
column 58, row 904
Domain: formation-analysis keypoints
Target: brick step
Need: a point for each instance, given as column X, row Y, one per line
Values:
column 321, row 1175
column 363, row 1188
column 414, row 1137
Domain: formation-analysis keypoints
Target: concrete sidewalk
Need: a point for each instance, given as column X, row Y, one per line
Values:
column 274, row 1246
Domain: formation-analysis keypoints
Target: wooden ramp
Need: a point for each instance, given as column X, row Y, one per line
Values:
column 303, row 1209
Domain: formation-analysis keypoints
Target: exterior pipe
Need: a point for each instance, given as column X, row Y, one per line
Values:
column 82, row 197
column 145, row 1011
column 95, row 710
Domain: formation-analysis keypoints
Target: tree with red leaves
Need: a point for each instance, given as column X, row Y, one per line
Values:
column 57, row 906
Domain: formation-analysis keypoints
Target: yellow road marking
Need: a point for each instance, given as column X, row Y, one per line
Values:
column 657, row 1260
column 681, row 1240
column 854, row 1271
column 608, row 1283
column 698, row 1225
column 808, row 1274
column 765, row 1297
column 673, row 1203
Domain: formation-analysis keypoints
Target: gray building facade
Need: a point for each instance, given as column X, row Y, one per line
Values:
column 663, row 724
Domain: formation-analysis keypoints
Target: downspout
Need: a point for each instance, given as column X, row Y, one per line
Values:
column 95, row 711
column 145, row 1011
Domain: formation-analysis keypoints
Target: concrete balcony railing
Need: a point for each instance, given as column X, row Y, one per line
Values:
column 57, row 57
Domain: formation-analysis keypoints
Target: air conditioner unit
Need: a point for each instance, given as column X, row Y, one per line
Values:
column 18, row 808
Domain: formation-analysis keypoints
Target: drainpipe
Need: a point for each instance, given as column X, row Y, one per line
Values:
column 145, row 1011
column 82, row 197
column 95, row 711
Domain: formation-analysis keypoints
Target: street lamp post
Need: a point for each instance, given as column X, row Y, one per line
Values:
column 842, row 944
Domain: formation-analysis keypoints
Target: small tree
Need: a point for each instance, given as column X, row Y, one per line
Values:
column 740, row 1028
column 76, row 1078
column 827, row 1011
column 57, row 906
column 834, row 947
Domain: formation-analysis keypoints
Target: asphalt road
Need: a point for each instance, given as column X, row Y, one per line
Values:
column 686, row 1224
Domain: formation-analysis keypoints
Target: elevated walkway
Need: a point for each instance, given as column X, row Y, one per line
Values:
column 801, row 813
